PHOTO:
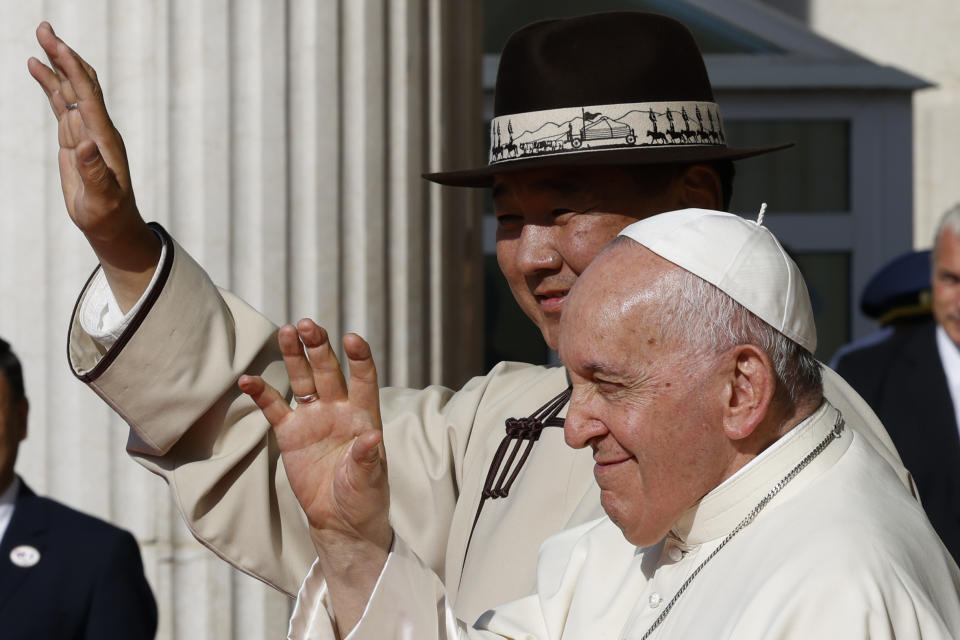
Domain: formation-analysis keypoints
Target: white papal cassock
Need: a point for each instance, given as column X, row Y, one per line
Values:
column 843, row 551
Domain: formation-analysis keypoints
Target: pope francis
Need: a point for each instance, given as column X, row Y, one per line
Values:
column 739, row 504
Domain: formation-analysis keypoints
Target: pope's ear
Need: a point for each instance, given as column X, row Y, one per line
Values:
column 750, row 390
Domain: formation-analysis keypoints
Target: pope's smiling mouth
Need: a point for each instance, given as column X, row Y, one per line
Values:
column 606, row 463
column 606, row 474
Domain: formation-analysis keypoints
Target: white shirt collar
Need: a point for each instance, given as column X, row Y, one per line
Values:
column 8, row 500
column 950, row 359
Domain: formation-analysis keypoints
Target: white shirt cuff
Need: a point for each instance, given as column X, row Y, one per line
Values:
column 99, row 314
column 313, row 616
column 408, row 601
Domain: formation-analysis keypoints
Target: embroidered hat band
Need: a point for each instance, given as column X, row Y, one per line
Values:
column 606, row 127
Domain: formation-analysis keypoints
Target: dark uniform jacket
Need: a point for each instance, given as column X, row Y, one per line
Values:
column 87, row 582
column 903, row 380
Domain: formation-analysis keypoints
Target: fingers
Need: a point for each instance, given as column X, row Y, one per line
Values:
column 101, row 188
column 71, row 73
column 366, row 451
column 364, row 390
column 54, row 79
column 271, row 403
column 71, row 126
column 313, row 367
column 50, row 84
column 327, row 375
column 355, row 500
column 298, row 369
column 363, row 471
column 78, row 83
column 362, row 481
column 72, row 80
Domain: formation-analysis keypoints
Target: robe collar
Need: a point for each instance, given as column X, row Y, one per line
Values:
column 721, row 510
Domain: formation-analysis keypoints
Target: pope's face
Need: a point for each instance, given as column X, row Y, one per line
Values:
column 13, row 429
column 552, row 223
column 650, row 412
column 946, row 284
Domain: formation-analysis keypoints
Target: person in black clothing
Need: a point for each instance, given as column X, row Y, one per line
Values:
column 911, row 378
column 63, row 574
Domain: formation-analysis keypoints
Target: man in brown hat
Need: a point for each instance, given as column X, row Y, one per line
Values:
column 775, row 497
column 476, row 486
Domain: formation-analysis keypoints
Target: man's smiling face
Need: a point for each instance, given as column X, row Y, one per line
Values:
column 552, row 223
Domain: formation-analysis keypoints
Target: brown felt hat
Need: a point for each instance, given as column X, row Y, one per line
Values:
column 622, row 88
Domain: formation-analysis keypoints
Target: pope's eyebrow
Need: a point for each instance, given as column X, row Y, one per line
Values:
column 603, row 369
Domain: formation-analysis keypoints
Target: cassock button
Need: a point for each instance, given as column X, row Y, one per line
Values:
column 655, row 600
column 675, row 554
column 25, row 556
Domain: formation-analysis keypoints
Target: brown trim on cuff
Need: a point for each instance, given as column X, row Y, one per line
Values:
column 165, row 267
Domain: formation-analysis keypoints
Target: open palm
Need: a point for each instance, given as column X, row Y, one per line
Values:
column 331, row 443
column 94, row 173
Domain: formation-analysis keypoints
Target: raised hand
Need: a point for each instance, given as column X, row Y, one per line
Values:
column 332, row 449
column 94, row 173
column 331, row 442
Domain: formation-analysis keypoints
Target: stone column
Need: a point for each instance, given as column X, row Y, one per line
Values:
column 282, row 143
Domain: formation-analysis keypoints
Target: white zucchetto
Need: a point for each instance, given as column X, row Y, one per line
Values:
column 741, row 258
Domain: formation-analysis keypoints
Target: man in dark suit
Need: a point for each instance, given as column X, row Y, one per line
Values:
column 912, row 380
column 63, row 574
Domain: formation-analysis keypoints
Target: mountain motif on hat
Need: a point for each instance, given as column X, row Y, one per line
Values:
column 622, row 88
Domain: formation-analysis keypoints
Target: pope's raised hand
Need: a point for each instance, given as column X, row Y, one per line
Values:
column 331, row 442
column 94, row 173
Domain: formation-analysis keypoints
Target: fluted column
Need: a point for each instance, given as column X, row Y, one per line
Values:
column 282, row 144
